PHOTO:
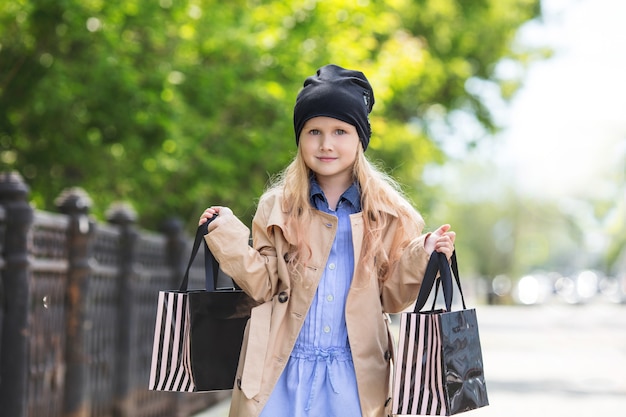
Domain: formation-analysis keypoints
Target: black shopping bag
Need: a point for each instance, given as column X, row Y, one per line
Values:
column 198, row 334
column 439, row 367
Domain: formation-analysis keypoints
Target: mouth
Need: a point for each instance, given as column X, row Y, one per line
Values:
column 326, row 159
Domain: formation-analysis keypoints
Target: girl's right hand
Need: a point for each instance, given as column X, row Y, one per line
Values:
column 212, row 211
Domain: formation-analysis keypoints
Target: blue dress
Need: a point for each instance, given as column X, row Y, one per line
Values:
column 319, row 378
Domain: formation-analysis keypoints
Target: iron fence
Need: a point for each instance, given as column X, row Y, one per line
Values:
column 78, row 306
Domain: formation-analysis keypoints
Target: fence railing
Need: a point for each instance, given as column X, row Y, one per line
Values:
column 78, row 306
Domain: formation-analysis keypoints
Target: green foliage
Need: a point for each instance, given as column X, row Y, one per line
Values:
column 175, row 105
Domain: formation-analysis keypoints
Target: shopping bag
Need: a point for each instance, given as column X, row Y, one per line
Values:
column 439, row 366
column 198, row 333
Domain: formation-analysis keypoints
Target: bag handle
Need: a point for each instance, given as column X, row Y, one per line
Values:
column 210, row 263
column 438, row 262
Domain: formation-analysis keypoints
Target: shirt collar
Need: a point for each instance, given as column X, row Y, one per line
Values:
column 351, row 195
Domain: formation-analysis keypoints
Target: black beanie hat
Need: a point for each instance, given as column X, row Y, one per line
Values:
column 339, row 93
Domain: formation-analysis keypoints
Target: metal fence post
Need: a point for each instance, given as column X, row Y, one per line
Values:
column 76, row 203
column 14, row 360
column 176, row 248
column 124, row 216
column 2, row 295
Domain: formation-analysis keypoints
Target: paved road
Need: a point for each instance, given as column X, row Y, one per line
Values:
column 551, row 360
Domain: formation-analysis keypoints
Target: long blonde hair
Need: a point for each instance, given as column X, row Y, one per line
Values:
column 380, row 194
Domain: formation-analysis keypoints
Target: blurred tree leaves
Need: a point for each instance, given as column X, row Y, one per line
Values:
column 174, row 105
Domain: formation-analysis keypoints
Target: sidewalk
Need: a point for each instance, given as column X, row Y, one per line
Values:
column 218, row 410
column 551, row 360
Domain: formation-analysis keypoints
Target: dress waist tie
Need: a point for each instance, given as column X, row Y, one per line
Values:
column 323, row 358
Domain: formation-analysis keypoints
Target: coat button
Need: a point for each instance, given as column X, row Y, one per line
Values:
column 286, row 257
column 387, row 356
column 283, row 297
column 239, row 383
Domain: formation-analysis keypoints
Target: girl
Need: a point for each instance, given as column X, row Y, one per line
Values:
column 335, row 248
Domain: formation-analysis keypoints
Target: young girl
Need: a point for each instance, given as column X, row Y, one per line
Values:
column 335, row 248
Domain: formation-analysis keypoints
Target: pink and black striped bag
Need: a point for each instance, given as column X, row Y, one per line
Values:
column 439, row 367
column 198, row 333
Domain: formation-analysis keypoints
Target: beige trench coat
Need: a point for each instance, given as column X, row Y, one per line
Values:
column 263, row 273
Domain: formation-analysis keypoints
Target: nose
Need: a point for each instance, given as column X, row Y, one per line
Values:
column 326, row 142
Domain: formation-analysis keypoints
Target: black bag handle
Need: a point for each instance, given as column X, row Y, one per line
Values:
column 210, row 263
column 438, row 262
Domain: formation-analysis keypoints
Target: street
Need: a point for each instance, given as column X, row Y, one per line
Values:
column 554, row 360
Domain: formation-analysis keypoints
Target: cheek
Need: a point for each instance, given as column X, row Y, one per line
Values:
column 308, row 145
column 350, row 146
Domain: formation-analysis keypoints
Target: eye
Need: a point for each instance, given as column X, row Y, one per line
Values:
column 340, row 132
column 314, row 132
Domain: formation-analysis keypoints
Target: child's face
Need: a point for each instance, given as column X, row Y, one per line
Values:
column 329, row 148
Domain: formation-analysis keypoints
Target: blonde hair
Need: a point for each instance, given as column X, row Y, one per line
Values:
column 379, row 194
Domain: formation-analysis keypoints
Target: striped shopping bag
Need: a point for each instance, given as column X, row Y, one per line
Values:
column 171, row 370
column 198, row 333
column 439, row 367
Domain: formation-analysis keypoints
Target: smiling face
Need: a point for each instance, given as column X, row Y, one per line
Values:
column 329, row 148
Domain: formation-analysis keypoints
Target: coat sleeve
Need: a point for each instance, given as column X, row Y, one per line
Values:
column 254, row 269
column 400, row 290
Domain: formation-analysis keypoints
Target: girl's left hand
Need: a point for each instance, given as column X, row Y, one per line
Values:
column 212, row 211
column 441, row 240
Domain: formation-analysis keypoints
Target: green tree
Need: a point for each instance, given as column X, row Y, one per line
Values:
column 173, row 105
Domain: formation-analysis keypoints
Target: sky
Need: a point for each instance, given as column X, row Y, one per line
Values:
column 565, row 130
